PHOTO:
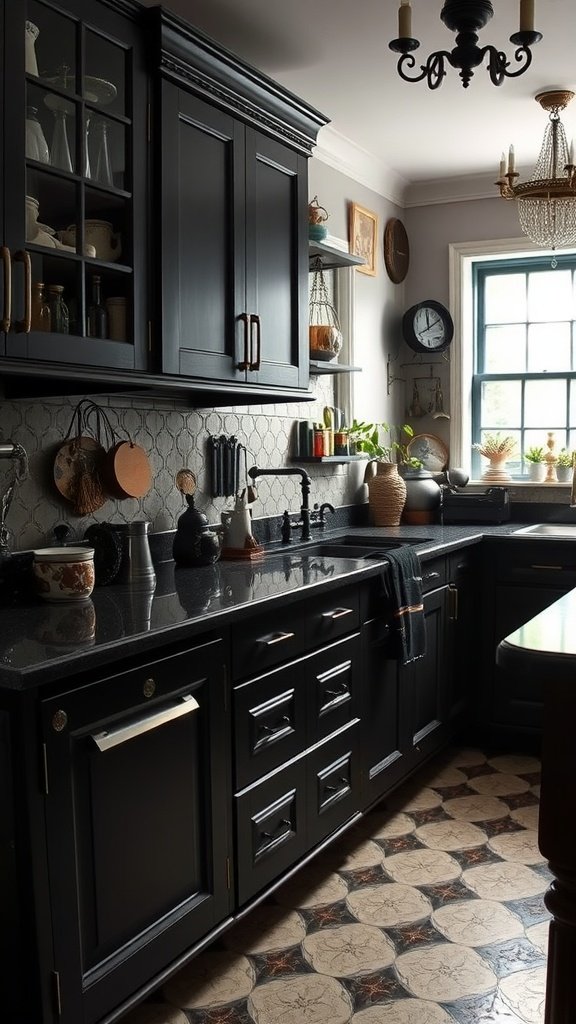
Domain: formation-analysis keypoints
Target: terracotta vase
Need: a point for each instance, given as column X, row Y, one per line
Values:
column 386, row 495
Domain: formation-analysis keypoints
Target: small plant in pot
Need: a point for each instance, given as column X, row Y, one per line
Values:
column 497, row 449
column 536, row 460
column 564, row 465
column 367, row 438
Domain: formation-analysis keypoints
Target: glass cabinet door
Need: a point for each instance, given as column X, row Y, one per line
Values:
column 78, row 188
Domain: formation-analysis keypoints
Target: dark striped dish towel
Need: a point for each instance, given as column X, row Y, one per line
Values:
column 403, row 585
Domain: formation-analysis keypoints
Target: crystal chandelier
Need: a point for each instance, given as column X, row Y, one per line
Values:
column 546, row 203
column 465, row 18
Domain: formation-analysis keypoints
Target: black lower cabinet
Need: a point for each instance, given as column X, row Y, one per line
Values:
column 424, row 683
column 137, row 830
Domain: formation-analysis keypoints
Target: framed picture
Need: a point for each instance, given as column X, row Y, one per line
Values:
column 363, row 235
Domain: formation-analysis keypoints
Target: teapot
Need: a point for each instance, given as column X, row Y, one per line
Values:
column 194, row 542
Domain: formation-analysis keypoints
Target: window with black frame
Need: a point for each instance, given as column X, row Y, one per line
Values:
column 524, row 382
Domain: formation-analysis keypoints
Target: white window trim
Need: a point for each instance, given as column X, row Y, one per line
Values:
column 461, row 257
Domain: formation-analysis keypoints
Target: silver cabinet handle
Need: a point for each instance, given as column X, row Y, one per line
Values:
column 114, row 737
column 275, row 639
column 431, row 576
column 338, row 613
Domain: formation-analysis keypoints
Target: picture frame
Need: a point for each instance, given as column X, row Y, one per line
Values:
column 363, row 235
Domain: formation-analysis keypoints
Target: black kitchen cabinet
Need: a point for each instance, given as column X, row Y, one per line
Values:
column 462, row 634
column 521, row 578
column 233, row 220
column 74, row 185
column 137, row 790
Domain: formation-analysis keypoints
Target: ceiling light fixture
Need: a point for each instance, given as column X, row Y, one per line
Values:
column 466, row 18
column 547, row 202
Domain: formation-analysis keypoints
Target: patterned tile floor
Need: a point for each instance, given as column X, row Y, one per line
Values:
column 429, row 911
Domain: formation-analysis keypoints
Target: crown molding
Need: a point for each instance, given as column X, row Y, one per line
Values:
column 357, row 163
column 462, row 189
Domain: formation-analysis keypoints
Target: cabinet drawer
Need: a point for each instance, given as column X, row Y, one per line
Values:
column 333, row 780
column 271, row 828
column 537, row 563
column 279, row 714
column 270, row 722
column 332, row 615
column 269, row 639
column 433, row 574
column 334, row 687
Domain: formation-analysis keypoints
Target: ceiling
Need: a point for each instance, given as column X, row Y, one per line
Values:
column 334, row 54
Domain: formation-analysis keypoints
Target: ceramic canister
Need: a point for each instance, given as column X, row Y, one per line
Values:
column 64, row 574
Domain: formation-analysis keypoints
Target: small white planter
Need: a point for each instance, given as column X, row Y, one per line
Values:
column 537, row 471
column 564, row 474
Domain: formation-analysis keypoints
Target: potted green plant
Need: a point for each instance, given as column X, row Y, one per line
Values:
column 536, row 460
column 564, row 465
column 497, row 449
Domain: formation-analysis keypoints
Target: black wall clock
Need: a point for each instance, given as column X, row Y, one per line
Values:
column 396, row 250
column 428, row 326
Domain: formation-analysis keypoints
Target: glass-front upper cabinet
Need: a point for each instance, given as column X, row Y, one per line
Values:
column 75, row 182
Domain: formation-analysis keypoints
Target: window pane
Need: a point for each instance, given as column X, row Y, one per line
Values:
column 505, row 299
column 548, row 347
column 545, row 404
column 500, row 404
column 505, row 349
column 550, row 295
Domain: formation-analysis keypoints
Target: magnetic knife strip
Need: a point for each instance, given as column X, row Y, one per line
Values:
column 224, row 458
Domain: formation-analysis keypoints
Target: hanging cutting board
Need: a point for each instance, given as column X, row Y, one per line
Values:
column 127, row 470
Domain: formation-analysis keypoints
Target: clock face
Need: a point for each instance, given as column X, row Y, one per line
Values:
column 428, row 326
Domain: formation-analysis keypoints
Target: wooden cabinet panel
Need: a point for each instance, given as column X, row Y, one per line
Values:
column 137, row 830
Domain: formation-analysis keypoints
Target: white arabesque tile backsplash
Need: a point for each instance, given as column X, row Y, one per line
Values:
column 174, row 436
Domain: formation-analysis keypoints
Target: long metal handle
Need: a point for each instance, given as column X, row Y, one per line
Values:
column 137, row 726
column 245, row 363
column 7, row 311
column 23, row 326
column 276, row 639
column 255, row 363
column 338, row 613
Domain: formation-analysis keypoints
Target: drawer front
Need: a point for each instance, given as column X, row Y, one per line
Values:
column 433, row 574
column 270, row 829
column 270, row 639
column 270, row 722
column 334, row 687
column 538, row 563
column 332, row 615
column 333, row 780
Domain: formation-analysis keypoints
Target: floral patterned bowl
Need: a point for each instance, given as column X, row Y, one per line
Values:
column 64, row 574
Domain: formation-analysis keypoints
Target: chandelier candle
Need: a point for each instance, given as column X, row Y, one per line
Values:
column 405, row 20
column 526, row 15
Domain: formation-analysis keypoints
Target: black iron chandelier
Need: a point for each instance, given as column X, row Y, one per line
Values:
column 465, row 18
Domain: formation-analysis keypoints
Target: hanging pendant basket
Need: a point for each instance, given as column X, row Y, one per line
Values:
column 324, row 326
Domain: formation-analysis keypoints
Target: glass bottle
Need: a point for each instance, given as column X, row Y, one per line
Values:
column 59, row 320
column 40, row 320
column 103, row 172
column 60, row 155
column 97, row 320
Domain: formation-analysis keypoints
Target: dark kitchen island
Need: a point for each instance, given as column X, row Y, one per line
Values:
column 544, row 650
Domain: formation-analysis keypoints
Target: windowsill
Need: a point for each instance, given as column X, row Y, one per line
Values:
column 520, row 483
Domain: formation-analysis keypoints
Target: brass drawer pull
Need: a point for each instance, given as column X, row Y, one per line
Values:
column 23, row 326
column 255, row 322
column 137, row 726
column 338, row 613
column 276, row 639
column 555, row 568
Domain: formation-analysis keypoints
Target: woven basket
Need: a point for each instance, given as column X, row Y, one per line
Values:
column 386, row 495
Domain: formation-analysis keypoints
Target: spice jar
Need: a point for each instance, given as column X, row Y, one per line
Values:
column 40, row 315
column 59, row 318
column 319, row 444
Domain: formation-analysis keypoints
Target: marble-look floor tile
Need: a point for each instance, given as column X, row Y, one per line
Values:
column 429, row 910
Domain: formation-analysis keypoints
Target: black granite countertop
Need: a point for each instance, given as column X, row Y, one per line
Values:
column 42, row 643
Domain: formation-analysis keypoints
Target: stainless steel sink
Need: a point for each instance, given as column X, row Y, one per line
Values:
column 558, row 531
column 353, row 547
